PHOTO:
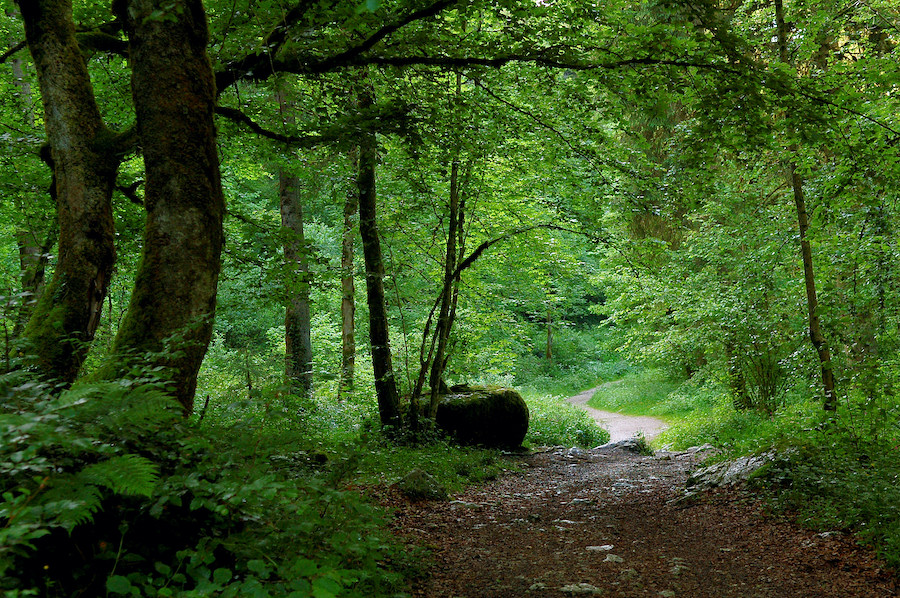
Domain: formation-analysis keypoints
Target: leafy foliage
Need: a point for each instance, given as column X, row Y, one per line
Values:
column 134, row 504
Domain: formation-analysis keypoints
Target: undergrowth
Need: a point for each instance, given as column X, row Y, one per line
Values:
column 107, row 491
column 555, row 422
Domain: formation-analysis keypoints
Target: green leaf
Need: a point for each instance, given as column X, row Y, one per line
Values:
column 118, row 584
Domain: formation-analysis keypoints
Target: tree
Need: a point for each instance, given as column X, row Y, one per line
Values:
column 385, row 385
column 83, row 155
column 348, row 288
column 170, row 315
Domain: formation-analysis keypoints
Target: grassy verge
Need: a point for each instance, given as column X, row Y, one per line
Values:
column 642, row 392
column 554, row 422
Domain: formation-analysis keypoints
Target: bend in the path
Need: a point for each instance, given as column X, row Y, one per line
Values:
column 620, row 426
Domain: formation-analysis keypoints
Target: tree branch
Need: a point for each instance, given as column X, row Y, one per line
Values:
column 12, row 51
column 301, row 141
column 262, row 65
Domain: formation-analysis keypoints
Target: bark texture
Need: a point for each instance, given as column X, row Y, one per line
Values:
column 83, row 156
column 385, row 383
column 348, row 293
column 169, row 318
column 297, row 325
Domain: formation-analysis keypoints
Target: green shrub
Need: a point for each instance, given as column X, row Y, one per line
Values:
column 553, row 422
column 833, row 482
column 641, row 392
column 106, row 490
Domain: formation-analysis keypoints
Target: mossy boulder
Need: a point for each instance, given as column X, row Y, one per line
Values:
column 488, row 416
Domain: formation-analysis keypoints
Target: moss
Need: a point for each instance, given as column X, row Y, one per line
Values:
column 486, row 416
column 49, row 338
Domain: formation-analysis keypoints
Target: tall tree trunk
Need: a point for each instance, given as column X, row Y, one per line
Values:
column 348, row 293
column 385, row 383
column 175, row 289
column 297, row 324
column 815, row 328
column 83, row 156
column 816, row 335
column 442, row 328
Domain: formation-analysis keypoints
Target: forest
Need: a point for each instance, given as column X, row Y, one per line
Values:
column 247, row 246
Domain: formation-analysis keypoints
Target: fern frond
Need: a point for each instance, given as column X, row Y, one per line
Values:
column 123, row 474
column 71, row 504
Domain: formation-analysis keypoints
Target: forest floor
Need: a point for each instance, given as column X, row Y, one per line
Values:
column 577, row 522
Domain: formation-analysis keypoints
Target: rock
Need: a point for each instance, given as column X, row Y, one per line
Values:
column 613, row 558
column 488, row 416
column 636, row 445
column 418, row 485
column 604, row 548
column 581, row 588
column 728, row 473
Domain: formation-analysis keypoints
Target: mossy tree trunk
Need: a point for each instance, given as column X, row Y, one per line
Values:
column 84, row 157
column 297, row 324
column 33, row 259
column 385, row 384
column 169, row 318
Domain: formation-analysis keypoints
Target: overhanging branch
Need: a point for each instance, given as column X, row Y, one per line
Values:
column 300, row 141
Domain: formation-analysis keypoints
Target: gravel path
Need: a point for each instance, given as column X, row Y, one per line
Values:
column 605, row 523
column 620, row 426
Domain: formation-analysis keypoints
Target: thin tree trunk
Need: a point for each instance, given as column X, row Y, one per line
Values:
column 33, row 258
column 83, row 156
column 548, row 352
column 297, row 324
column 33, row 252
column 442, row 329
column 175, row 289
column 385, row 383
column 815, row 329
column 348, row 293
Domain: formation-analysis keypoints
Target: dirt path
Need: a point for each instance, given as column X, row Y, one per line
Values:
column 606, row 522
column 620, row 426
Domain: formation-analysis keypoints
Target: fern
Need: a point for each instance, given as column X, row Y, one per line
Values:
column 70, row 504
column 123, row 474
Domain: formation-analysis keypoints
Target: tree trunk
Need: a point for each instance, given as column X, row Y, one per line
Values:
column 442, row 328
column 348, row 294
column 297, row 325
column 169, row 319
column 82, row 154
column 385, row 384
column 815, row 329
column 33, row 258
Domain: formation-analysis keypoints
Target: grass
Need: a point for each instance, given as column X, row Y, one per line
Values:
column 554, row 422
column 642, row 392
